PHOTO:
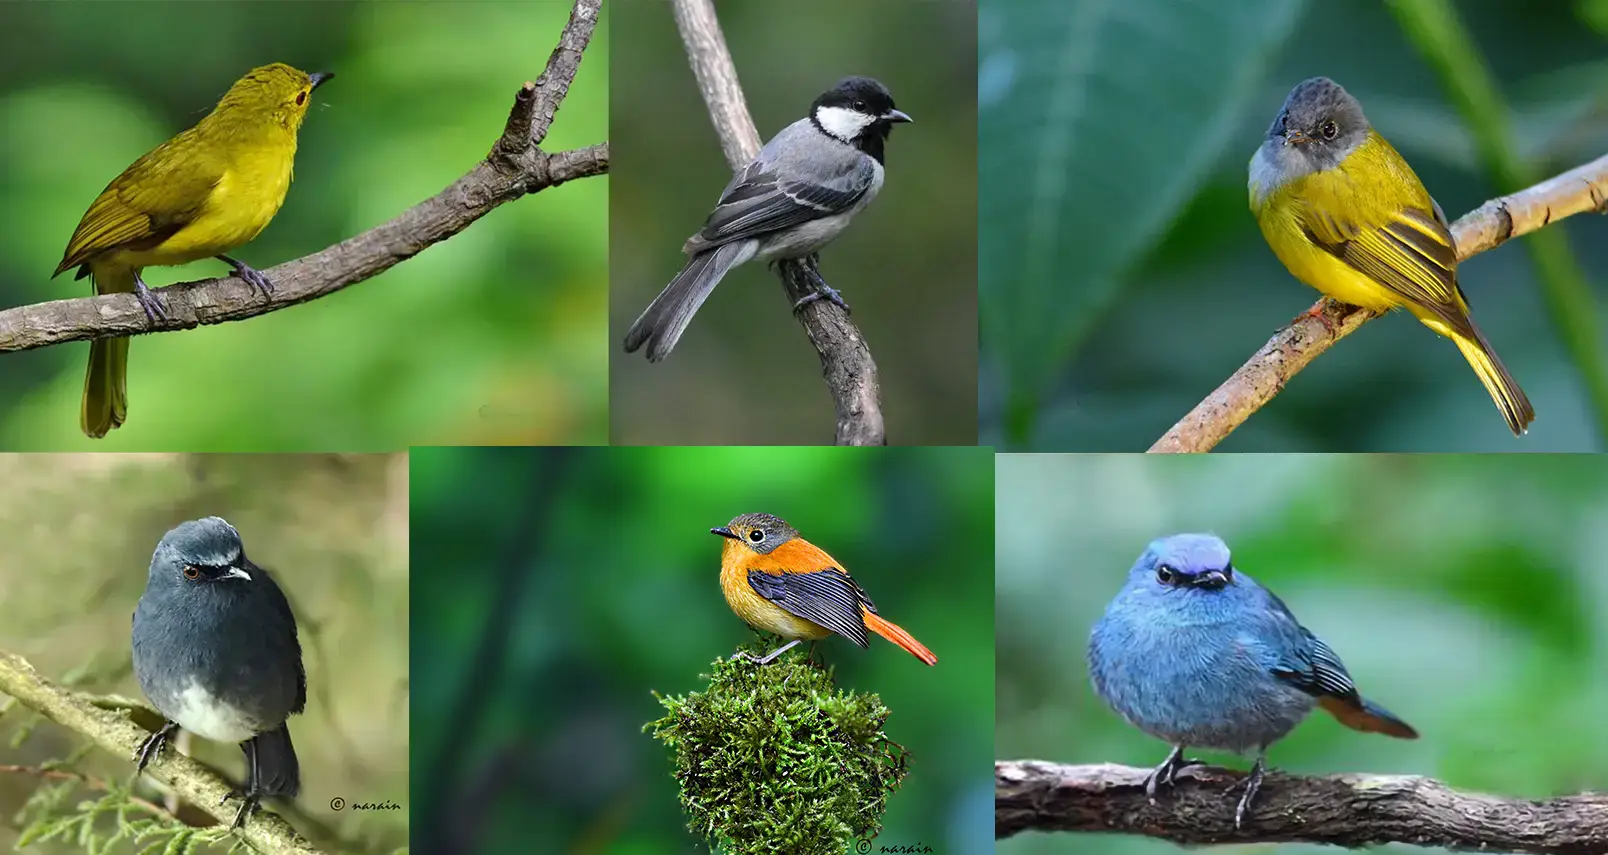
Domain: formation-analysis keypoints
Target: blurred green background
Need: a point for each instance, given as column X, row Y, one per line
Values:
column 1123, row 277
column 79, row 530
column 1467, row 594
column 495, row 336
column 569, row 584
column 906, row 266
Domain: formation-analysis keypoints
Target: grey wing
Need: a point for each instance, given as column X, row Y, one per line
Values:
column 760, row 201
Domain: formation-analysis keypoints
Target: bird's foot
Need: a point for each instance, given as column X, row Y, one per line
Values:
column 151, row 303
column 1253, row 782
column 151, row 748
column 250, row 275
column 822, row 291
column 1167, row 773
column 248, row 806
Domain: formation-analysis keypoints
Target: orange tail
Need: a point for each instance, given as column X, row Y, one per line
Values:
column 892, row 632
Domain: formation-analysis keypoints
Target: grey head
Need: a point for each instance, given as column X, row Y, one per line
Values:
column 204, row 553
column 858, row 111
column 760, row 532
column 1319, row 125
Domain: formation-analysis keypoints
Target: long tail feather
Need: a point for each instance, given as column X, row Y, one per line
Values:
column 1368, row 718
column 1505, row 391
column 894, row 633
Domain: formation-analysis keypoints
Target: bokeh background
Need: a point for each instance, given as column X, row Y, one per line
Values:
column 79, row 530
column 495, row 336
column 1467, row 594
column 1123, row 277
column 568, row 585
column 907, row 266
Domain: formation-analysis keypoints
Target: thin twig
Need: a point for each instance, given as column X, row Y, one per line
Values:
column 1265, row 373
column 1341, row 810
column 515, row 167
column 846, row 363
column 89, row 782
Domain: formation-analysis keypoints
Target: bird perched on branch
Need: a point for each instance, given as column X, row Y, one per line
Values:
column 215, row 650
column 199, row 195
column 783, row 584
column 1347, row 215
column 1194, row 652
column 798, row 194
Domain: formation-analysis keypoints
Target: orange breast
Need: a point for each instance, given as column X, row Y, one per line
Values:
column 736, row 560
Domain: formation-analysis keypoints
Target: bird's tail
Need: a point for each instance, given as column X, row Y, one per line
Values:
column 664, row 320
column 105, row 403
column 277, row 773
column 1505, row 391
column 1367, row 717
column 896, row 634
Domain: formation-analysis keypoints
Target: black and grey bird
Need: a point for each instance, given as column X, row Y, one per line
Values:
column 792, row 200
column 215, row 650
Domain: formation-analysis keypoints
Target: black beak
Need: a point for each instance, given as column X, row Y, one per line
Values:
column 724, row 532
column 319, row 77
column 1212, row 579
column 897, row 116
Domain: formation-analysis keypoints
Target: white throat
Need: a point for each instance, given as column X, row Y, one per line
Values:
column 843, row 123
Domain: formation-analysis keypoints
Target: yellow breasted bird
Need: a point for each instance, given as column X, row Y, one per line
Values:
column 785, row 585
column 199, row 195
column 1347, row 215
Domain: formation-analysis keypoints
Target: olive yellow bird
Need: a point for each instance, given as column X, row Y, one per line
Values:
column 199, row 195
column 1346, row 215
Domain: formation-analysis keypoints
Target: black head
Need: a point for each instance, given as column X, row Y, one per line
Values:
column 201, row 552
column 858, row 111
column 759, row 532
column 1321, row 120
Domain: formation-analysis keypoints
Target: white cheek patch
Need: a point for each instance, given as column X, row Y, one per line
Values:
column 843, row 123
column 206, row 716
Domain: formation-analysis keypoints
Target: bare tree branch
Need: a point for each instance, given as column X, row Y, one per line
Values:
column 1265, row 373
column 846, row 364
column 1341, row 810
column 515, row 167
column 116, row 732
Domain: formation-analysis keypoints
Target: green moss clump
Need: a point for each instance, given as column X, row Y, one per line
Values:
column 777, row 758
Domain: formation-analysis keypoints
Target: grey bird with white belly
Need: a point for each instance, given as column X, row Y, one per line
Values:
column 805, row 186
column 215, row 650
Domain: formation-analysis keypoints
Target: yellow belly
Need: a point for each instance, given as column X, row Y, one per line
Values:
column 240, row 206
column 1321, row 270
column 763, row 614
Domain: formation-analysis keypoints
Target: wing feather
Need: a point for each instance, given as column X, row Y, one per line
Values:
column 827, row 597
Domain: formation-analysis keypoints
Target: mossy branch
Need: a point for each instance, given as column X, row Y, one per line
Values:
column 1265, row 373
column 777, row 758
column 114, row 730
column 516, row 167
column 1340, row 810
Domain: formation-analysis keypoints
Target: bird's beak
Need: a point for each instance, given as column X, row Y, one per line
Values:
column 237, row 573
column 897, row 116
column 1295, row 137
column 724, row 532
column 319, row 77
column 1212, row 579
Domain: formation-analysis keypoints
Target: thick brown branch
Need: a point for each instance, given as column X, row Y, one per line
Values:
column 1266, row 372
column 846, row 363
column 1342, row 810
column 116, row 732
column 516, row 167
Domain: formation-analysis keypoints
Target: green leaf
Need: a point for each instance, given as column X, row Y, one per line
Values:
column 1098, row 121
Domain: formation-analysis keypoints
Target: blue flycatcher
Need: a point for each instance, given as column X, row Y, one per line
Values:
column 1193, row 652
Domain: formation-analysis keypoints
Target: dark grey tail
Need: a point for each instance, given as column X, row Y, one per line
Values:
column 277, row 773
column 664, row 320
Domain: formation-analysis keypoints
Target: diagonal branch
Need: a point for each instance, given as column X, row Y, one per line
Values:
column 1341, row 810
column 515, row 167
column 114, row 731
column 846, row 364
column 1265, row 373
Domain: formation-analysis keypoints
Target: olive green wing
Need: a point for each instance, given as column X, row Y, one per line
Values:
column 159, row 194
column 1412, row 254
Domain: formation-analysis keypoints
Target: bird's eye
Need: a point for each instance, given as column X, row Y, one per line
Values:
column 1329, row 130
column 859, row 105
column 1166, row 575
column 301, row 97
column 756, row 535
column 192, row 572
